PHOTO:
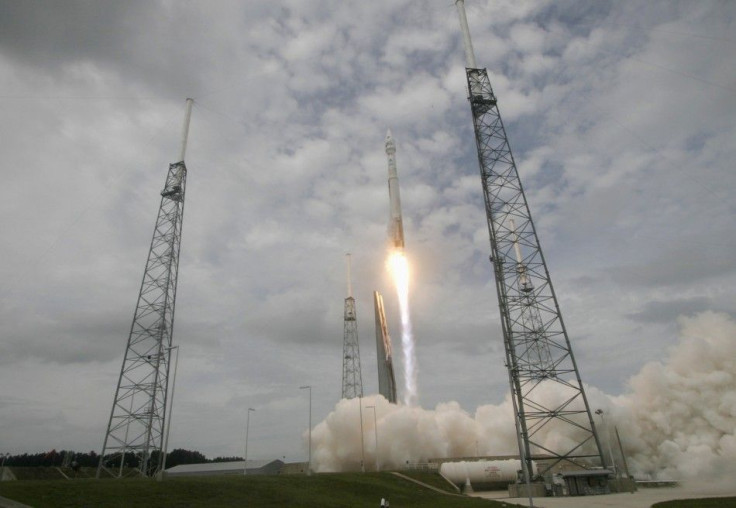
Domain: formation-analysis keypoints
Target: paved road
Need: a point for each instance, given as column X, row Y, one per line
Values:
column 9, row 503
column 643, row 498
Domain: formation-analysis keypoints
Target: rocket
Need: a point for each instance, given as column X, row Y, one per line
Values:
column 396, row 228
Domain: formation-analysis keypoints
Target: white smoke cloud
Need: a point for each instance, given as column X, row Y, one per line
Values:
column 678, row 419
column 683, row 411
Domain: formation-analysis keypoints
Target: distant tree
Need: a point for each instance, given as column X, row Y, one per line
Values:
column 90, row 459
column 181, row 456
column 47, row 459
column 226, row 459
column 52, row 458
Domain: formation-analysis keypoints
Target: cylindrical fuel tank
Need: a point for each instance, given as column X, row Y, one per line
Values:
column 484, row 474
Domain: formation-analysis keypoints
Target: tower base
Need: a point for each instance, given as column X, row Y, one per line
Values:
column 521, row 490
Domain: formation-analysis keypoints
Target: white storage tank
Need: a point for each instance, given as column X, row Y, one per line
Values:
column 484, row 474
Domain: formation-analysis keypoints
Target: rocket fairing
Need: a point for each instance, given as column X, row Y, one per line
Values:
column 396, row 228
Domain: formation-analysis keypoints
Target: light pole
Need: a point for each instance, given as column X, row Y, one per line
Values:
column 247, row 428
column 171, row 406
column 362, row 445
column 599, row 412
column 2, row 471
column 375, row 428
column 309, row 466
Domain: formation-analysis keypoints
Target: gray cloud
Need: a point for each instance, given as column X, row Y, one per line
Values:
column 677, row 267
column 667, row 311
column 625, row 158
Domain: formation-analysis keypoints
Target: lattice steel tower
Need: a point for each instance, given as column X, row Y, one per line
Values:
column 547, row 391
column 139, row 411
column 352, row 380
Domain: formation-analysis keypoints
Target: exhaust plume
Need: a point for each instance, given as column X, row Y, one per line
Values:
column 399, row 267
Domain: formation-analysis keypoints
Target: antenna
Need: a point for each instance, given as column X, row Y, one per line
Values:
column 185, row 129
column 469, row 54
column 350, row 285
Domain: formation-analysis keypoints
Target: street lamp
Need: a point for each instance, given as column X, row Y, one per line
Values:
column 362, row 445
column 2, row 471
column 247, row 428
column 599, row 412
column 308, row 387
column 375, row 428
column 171, row 407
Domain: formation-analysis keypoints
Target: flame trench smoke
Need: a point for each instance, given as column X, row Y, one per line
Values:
column 399, row 269
column 677, row 419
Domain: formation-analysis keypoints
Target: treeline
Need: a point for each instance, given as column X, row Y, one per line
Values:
column 68, row 458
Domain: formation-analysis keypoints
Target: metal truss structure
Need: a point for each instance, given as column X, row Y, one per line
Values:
column 139, row 411
column 352, row 379
column 547, row 390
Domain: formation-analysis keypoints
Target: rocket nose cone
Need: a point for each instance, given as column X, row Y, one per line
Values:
column 388, row 134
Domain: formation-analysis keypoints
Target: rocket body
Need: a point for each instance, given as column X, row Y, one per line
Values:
column 396, row 228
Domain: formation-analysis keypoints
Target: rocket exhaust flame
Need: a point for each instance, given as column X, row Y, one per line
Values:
column 398, row 266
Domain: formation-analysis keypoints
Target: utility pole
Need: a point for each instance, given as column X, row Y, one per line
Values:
column 375, row 429
column 362, row 442
column 247, row 429
column 308, row 387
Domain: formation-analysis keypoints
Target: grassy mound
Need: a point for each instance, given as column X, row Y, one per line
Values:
column 323, row 490
column 52, row 473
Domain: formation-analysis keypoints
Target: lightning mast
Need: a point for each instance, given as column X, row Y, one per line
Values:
column 352, row 380
column 139, row 410
column 539, row 356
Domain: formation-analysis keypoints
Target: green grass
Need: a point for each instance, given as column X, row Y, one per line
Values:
column 713, row 502
column 324, row 490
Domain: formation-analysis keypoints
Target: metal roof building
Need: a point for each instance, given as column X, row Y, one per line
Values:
column 254, row 467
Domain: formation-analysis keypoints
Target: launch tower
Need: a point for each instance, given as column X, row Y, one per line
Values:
column 547, row 391
column 352, row 380
column 139, row 411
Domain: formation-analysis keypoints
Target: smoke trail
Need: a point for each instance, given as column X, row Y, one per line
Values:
column 678, row 419
column 399, row 268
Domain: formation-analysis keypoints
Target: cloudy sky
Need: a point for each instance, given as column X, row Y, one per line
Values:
column 620, row 116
